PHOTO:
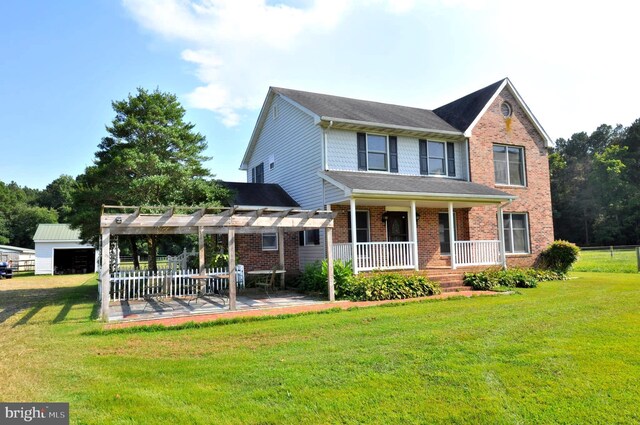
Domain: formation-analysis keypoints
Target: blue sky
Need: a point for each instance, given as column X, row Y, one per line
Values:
column 63, row 62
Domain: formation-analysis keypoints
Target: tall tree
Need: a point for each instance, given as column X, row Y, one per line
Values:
column 58, row 195
column 151, row 156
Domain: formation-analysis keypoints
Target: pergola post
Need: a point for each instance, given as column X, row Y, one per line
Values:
column 503, row 256
column 413, row 228
column 232, row 269
column 105, row 275
column 452, row 236
column 328, row 241
column 354, row 237
column 201, row 262
column 281, row 254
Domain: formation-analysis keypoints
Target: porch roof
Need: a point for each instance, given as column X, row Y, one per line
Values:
column 385, row 185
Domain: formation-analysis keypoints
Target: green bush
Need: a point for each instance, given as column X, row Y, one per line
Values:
column 511, row 278
column 560, row 256
column 385, row 286
column 314, row 277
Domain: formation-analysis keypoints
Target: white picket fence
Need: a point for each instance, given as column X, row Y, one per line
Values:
column 136, row 284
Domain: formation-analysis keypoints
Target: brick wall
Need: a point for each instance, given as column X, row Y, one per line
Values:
column 251, row 255
column 534, row 199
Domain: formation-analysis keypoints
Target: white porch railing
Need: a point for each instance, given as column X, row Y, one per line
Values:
column 477, row 253
column 135, row 284
column 377, row 255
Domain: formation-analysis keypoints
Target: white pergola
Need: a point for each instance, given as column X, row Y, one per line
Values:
column 136, row 220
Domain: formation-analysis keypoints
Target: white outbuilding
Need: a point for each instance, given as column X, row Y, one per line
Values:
column 59, row 250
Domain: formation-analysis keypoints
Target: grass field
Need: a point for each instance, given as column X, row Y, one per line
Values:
column 565, row 352
column 622, row 261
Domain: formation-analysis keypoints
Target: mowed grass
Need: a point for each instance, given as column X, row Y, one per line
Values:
column 565, row 352
column 622, row 261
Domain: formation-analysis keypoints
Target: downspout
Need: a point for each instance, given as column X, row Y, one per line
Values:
column 503, row 251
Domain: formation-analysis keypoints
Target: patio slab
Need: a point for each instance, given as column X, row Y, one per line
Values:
column 138, row 310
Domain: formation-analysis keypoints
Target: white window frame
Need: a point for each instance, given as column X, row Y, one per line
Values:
column 524, row 166
column 527, row 234
column 268, row 247
column 368, row 224
column 308, row 241
column 386, row 153
column 455, row 232
column 446, row 160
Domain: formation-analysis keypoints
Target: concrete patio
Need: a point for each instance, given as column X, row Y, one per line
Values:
column 249, row 300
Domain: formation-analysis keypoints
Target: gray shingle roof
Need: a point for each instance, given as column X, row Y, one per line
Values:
column 425, row 185
column 56, row 232
column 346, row 108
column 259, row 194
column 461, row 112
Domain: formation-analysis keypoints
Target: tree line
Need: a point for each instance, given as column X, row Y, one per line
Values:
column 595, row 186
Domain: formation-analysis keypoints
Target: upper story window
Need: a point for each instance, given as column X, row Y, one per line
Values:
column 437, row 158
column 508, row 165
column 516, row 233
column 377, row 152
column 257, row 173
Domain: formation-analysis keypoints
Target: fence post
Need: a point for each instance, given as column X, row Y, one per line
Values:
column 611, row 249
column 638, row 257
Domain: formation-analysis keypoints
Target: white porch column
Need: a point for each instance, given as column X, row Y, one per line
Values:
column 452, row 236
column 503, row 256
column 413, row 229
column 328, row 241
column 105, row 275
column 281, row 253
column 201, row 260
column 232, row 269
column 354, row 237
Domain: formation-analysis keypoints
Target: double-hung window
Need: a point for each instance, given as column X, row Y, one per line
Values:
column 377, row 152
column 437, row 158
column 257, row 173
column 362, row 226
column 443, row 231
column 269, row 241
column 516, row 233
column 377, row 156
column 508, row 165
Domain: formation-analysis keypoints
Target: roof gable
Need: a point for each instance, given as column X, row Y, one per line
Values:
column 56, row 232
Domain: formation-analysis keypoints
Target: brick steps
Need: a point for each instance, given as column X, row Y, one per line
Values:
column 449, row 280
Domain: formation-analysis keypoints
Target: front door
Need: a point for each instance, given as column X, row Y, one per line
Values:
column 397, row 227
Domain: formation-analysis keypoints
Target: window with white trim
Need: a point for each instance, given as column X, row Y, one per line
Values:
column 443, row 232
column 269, row 241
column 377, row 152
column 362, row 226
column 257, row 173
column 437, row 158
column 310, row 237
column 516, row 233
column 508, row 165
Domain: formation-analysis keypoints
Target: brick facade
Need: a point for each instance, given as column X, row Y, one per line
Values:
column 251, row 255
column 534, row 199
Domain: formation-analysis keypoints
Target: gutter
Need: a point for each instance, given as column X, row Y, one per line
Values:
column 430, row 196
column 392, row 126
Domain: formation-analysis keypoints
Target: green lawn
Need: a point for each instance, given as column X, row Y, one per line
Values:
column 622, row 261
column 565, row 352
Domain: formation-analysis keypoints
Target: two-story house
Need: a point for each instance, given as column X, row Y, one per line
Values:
column 465, row 184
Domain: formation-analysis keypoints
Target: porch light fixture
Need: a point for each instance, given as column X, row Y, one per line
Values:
column 118, row 220
column 385, row 217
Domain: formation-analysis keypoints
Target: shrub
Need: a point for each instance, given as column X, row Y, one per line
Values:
column 560, row 256
column 511, row 278
column 385, row 286
column 314, row 277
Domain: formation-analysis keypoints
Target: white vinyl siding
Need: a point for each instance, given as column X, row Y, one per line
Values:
column 342, row 154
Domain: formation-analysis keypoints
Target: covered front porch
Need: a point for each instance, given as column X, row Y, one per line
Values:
column 410, row 229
